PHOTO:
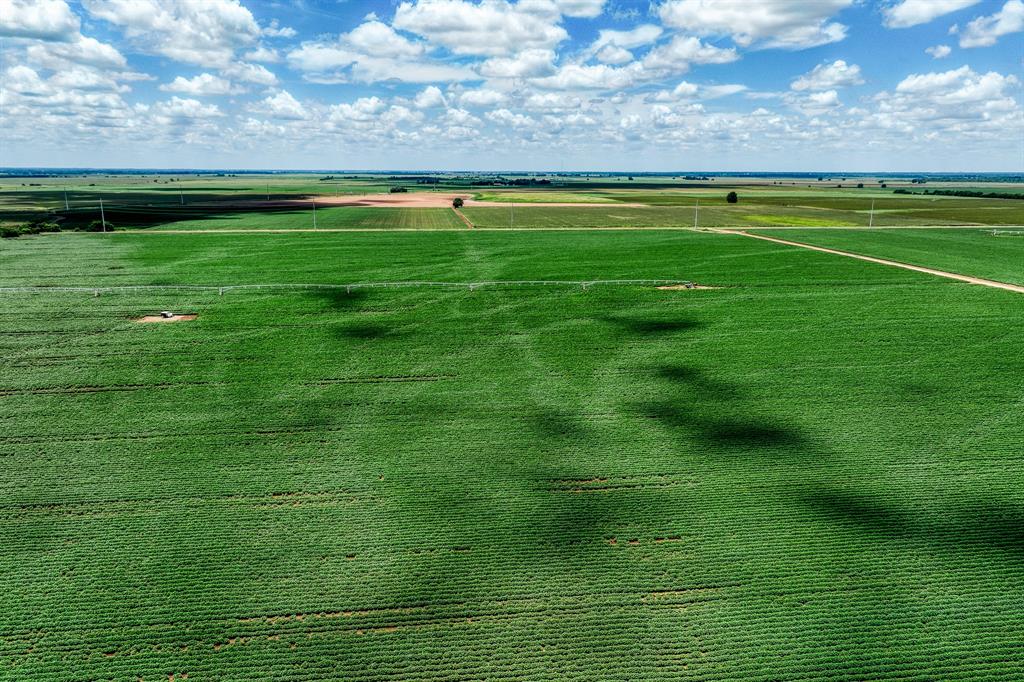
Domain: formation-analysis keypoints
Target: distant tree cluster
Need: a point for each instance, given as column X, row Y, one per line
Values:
column 975, row 194
column 41, row 225
column 34, row 227
column 732, row 198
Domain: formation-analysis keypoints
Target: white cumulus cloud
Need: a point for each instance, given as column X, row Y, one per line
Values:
column 205, row 84
column 907, row 13
column 40, row 19
column 490, row 28
column 790, row 24
column 986, row 31
column 838, row 74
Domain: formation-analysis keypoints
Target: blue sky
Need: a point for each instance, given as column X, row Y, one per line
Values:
column 779, row 85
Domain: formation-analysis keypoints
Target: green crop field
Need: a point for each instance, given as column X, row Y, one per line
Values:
column 994, row 254
column 811, row 471
column 327, row 218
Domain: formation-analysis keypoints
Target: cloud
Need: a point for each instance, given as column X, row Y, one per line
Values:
column 939, row 51
column 429, row 98
column 789, row 24
column 551, row 101
column 686, row 90
column 959, row 86
column 956, row 102
column 380, row 40
column 815, row 103
column 581, row 9
column 907, row 13
column 838, row 74
column 626, row 40
column 82, row 50
column 526, row 64
column 461, row 118
column 178, row 109
column 492, row 28
column 275, row 31
column 363, row 109
column 986, row 31
column 933, row 82
column 25, row 81
column 613, row 54
column 504, row 117
column 592, row 77
column 39, row 19
column 249, row 73
column 372, row 52
column 281, row 106
column 203, row 33
column 263, row 54
column 205, row 84
column 677, row 55
column 481, row 98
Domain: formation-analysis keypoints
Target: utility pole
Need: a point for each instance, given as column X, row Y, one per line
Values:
column 314, row 215
column 182, row 192
column 103, row 216
column 696, row 209
column 268, row 191
column 871, row 218
column 511, row 214
column 66, row 207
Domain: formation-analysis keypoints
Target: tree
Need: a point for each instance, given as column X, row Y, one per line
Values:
column 731, row 198
column 99, row 226
column 457, row 202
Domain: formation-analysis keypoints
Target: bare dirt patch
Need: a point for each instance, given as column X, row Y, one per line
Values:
column 396, row 200
column 431, row 200
column 184, row 317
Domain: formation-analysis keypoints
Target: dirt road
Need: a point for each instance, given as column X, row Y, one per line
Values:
column 882, row 261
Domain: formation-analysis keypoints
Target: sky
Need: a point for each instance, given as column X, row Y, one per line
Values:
column 542, row 85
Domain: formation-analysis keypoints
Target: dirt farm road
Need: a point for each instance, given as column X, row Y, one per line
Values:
column 871, row 259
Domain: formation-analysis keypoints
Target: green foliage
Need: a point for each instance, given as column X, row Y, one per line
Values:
column 457, row 202
column 796, row 476
column 731, row 198
column 964, row 193
column 99, row 226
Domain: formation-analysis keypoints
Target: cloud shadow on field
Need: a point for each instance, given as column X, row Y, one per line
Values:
column 966, row 527
column 365, row 331
column 339, row 298
column 741, row 434
column 696, row 381
column 689, row 402
column 553, row 423
column 652, row 327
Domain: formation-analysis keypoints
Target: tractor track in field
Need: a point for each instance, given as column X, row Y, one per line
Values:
column 881, row 261
column 463, row 218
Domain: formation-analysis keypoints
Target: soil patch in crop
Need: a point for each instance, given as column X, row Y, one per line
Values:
column 184, row 317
